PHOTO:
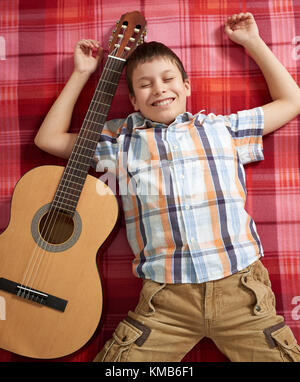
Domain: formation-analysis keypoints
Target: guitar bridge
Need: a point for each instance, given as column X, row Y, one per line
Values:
column 34, row 295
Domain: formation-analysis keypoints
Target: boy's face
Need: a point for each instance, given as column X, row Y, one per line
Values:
column 159, row 91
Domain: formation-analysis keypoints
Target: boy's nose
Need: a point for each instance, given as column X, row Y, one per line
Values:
column 158, row 91
column 159, row 88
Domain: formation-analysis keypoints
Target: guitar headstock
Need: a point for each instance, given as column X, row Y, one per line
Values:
column 130, row 31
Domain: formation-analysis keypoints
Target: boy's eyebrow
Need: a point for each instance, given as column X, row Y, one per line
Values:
column 149, row 77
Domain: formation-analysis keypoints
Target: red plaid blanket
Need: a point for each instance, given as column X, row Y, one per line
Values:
column 36, row 59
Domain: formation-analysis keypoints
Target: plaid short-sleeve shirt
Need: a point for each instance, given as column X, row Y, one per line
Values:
column 183, row 192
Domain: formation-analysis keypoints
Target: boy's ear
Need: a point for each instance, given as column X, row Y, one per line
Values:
column 187, row 85
column 133, row 102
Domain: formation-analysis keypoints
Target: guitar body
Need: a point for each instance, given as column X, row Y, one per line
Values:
column 66, row 269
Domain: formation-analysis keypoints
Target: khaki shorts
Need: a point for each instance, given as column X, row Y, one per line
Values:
column 237, row 313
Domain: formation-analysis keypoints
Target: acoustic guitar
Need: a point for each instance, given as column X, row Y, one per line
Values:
column 60, row 216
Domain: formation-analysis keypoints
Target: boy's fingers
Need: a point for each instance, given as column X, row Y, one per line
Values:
column 238, row 17
column 90, row 47
column 228, row 29
column 99, row 53
column 88, row 43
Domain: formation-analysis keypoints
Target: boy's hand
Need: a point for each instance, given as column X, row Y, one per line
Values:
column 87, row 56
column 241, row 28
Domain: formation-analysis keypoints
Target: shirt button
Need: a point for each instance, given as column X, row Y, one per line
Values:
column 175, row 147
column 182, row 176
column 258, row 308
column 187, row 207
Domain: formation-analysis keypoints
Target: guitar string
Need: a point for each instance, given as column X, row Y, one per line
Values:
column 48, row 224
column 66, row 180
column 95, row 101
column 109, row 66
column 98, row 101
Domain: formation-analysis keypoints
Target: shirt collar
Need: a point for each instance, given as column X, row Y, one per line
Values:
column 140, row 122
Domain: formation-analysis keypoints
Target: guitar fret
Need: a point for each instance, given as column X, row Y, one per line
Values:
column 66, row 209
column 90, row 131
column 81, row 151
column 68, row 192
column 75, row 166
column 103, row 92
column 111, row 70
column 70, row 188
column 109, row 82
column 86, row 159
column 99, row 113
column 100, row 103
column 73, row 175
column 82, row 155
column 64, row 202
column 77, row 169
column 87, row 139
column 113, row 75
column 73, row 181
column 97, row 123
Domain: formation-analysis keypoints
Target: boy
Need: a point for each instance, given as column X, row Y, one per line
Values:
column 196, row 247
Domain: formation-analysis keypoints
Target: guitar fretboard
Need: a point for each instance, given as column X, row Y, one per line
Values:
column 73, row 178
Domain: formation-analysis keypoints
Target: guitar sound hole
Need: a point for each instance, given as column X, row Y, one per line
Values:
column 56, row 228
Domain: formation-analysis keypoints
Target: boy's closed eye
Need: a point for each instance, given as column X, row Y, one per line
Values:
column 164, row 80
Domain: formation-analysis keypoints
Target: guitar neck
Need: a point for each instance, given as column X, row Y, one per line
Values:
column 73, row 178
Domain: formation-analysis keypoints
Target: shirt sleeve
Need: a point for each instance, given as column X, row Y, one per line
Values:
column 107, row 148
column 246, row 127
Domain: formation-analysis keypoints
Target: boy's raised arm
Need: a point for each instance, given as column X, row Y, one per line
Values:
column 53, row 135
column 284, row 91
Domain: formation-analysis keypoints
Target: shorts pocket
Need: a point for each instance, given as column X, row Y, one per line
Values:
column 257, row 282
column 127, row 333
column 151, row 290
column 286, row 342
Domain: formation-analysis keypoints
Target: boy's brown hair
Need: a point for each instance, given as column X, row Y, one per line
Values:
column 147, row 52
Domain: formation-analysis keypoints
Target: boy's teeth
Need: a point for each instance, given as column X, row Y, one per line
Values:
column 164, row 102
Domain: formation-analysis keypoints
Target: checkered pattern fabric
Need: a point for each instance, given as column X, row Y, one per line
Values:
column 36, row 58
column 183, row 192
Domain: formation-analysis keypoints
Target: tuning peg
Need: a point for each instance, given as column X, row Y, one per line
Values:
column 145, row 35
column 116, row 26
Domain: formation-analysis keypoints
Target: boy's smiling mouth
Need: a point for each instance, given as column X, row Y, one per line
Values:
column 163, row 102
